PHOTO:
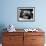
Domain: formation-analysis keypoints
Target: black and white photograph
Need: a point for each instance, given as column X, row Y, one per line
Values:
column 26, row 14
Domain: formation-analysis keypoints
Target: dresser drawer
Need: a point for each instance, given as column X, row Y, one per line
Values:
column 37, row 44
column 27, row 41
column 13, row 44
column 13, row 33
column 12, row 39
column 37, row 39
column 34, row 33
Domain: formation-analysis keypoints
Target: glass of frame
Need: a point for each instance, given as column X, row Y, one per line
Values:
column 26, row 14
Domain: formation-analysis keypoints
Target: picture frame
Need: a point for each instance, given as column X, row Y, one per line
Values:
column 26, row 14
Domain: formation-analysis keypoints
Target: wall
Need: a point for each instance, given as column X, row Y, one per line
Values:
column 8, row 13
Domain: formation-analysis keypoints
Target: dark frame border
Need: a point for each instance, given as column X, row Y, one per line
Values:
column 33, row 20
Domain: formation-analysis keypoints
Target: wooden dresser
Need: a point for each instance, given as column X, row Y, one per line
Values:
column 23, row 39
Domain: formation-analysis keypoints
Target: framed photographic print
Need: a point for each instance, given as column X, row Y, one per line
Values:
column 26, row 14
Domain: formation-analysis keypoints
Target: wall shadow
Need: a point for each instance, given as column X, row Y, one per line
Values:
column 2, row 29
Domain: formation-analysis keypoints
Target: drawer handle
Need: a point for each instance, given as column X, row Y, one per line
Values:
column 11, row 38
column 33, row 39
